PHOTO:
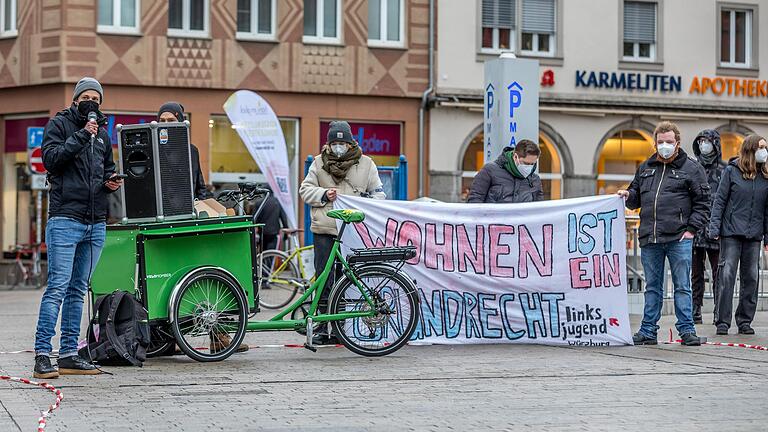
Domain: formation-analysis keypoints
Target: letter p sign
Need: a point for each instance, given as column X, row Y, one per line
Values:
column 515, row 97
column 489, row 100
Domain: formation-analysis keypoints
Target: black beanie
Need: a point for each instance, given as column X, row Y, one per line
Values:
column 174, row 108
column 340, row 131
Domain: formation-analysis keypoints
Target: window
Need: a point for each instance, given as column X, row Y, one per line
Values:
column 8, row 18
column 119, row 16
column 639, row 31
column 735, row 37
column 188, row 18
column 256, row 19
column 385, row 23
column 538, row 30
column 498, row 25
column 322, row 21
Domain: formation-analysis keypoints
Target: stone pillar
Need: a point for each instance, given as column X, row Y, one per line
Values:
column 579, row 185
column 445, row 185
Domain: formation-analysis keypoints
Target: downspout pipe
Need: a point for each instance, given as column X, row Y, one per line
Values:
column 425, row 100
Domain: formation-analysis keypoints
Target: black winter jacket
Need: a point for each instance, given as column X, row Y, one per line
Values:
column 272, row 216
column 673, row 198
column 740, row 206
column 77, row 172
column 494, row 184
column 713, row 171
column 198, row 180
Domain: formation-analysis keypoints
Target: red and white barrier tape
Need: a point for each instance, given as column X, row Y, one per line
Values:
column 727, row 344
column 43, row 420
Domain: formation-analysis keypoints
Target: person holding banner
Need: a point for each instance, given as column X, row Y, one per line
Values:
column 341, row 169
column 740, row 221
column 673, row 194
column 510, row 178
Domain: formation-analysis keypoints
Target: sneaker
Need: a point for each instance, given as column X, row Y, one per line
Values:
column 222, row 341
column 690, row 339
column 722, row 330
column 323, row 339
column 746, row 330
column 641, row 339
column 76, row 365
column 697, row 315
column 44, row 369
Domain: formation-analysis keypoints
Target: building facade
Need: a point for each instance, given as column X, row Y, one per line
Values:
column 313, row 60
column 610, row 70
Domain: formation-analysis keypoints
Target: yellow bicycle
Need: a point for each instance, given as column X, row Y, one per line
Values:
column 285, row 274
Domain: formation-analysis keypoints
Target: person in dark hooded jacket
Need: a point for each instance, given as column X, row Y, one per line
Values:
column 706, row 147
column 174, row 112
column 78, row 156
column 740, row 220
column 511, row 178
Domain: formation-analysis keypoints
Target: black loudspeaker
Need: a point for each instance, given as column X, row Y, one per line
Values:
column 157, row 159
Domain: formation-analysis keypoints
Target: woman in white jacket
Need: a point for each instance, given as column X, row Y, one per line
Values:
column 341, row 169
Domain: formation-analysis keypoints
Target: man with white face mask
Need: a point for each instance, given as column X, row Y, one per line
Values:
column 708, row 152
column 673, row 194
column 341, row 169
column 511, row 178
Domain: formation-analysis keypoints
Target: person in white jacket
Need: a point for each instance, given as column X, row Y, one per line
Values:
column 341, row 169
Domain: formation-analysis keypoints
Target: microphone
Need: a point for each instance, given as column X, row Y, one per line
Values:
column 92, row 117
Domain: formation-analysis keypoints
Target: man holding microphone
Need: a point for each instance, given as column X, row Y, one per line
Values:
column 77, row 153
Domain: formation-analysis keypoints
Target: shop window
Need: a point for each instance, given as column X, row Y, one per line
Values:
column 230, row 161
column 639, row 31
column 8, row 18
column 538, row 29
column 549, row 167
column 620, row 157
column 256, row 19
column 735, row 37
column 386, row 23
column 731, row 144
column 498, row 25
column 188, row 18
column 322, row 21
column 119, row 16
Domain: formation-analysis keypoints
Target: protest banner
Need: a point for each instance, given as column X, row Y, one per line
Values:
column 551, row 272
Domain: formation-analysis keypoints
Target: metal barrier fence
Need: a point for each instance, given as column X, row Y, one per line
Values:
column 636, row 276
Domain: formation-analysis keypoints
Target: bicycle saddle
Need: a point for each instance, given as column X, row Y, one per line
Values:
column 348, row 216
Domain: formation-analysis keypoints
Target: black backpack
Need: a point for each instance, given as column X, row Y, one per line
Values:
column 123, row 335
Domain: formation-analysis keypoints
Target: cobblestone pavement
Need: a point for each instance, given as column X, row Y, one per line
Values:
column 428, row 388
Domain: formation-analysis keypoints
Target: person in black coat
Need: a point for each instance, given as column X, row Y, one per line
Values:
column 673, row 194
column 706, row 147
column 511, row 178
column 174, row 112
column 273, row 217
column 740, row 221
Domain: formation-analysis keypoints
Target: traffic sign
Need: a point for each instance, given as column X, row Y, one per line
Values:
column 34, row 137
column 38, row 182
column 36, row 161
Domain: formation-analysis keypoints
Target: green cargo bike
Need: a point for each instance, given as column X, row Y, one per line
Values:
column 200, row 280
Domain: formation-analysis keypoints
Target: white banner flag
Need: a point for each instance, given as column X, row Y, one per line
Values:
column 552, row 272
column 256, row 123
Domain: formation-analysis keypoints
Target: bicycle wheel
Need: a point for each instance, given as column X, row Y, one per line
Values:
column 13, row 276
column 210, row 314
column 161, row 342
column 278, row 286
column 395, row 300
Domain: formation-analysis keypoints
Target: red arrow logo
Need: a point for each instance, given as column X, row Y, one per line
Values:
column 614, row 322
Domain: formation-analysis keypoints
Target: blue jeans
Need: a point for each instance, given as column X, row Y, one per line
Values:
column 70, row 263
column 654, row 257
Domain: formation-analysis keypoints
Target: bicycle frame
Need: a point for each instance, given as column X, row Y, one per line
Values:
column 296, row 253
column 279, row 323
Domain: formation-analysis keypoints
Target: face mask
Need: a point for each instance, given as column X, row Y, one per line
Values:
column 665, row 150
column 339, row 149
column 525, row 170
column 85, row 107
column 706, row 147
column 761, row 155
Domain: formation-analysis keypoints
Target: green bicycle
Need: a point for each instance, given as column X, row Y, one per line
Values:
column 200, row 282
